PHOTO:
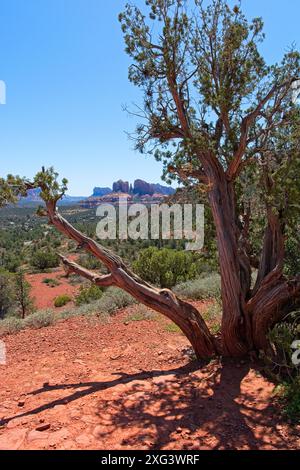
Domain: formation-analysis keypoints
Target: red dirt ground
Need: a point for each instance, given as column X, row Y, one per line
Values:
column 45, row 295
column 81, row 384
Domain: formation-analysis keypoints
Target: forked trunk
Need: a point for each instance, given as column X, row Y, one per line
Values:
column 236, row 328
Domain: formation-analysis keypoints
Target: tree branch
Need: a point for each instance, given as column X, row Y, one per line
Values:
column 102, row 281
column 163, row 301
column 235, row 165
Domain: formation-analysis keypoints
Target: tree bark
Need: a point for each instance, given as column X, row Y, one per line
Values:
column 234, row 267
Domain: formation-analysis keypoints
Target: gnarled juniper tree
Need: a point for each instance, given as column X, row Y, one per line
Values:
column 221, row 119
column 218, row 116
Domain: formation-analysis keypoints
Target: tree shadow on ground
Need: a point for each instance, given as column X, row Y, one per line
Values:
column 184, row 408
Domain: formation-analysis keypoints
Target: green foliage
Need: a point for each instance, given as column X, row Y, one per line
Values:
column 52, row 189
column 40, row 319
column 292, row 256
column 11, row 188
column 280, row 366
column 10, row 326
column 172, row 328
column 88, row 294
column 167, row 267
column 89, row 261
column 114, row 299
column 62, row 300
column 42, row 260
column 6, row 293
column 282, row 336
column 290, row 396
column 208, row 287
column 212, row 52
column 23, row 302
column 213, row 315
column 140, row 313
column 51, row 282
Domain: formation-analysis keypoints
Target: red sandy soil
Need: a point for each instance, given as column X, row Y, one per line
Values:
column 82, row 384
column 44, row 295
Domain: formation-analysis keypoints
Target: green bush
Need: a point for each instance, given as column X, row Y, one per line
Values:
column 200, row 289
column 166, row 267
column 282, row 336
column 89, row 261
column 114, row 299
column 213, row 315
column 6, row 293
column 140, row 313
column 292, row 400
column 51, row 282
column 39, row 319
column 88, row 294
column 62, row 300
column 42, row 260
column 280, row 366
column 10, row 325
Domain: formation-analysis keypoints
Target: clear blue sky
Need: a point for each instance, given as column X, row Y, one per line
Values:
column 64, row 65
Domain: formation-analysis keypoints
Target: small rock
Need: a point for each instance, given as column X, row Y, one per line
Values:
column 21, row 403
column 42, row 427
column 115, row 358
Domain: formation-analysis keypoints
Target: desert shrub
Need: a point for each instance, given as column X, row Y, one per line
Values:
column 213, row 315
column 140, row 313
column 208, row 287
column 92, row 309
column 89, row 261
column 10, row 325
column 290, row 396
column 6, row 293
column 166, row 267
column 113, row 299
column 42, row 260
column 51, row 282
column 62, row 300
column 172, row 328
column 39, row 319
column 281, row 367
column 88, row 294
column 24, row 303
column 292, row 255
column 75, row 279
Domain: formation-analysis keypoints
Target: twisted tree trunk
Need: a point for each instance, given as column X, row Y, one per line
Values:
column 164, row 301
column 235, row 272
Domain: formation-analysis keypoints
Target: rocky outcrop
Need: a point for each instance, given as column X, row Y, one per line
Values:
column 121, row 187
column 99, row 192
column 141, row 188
